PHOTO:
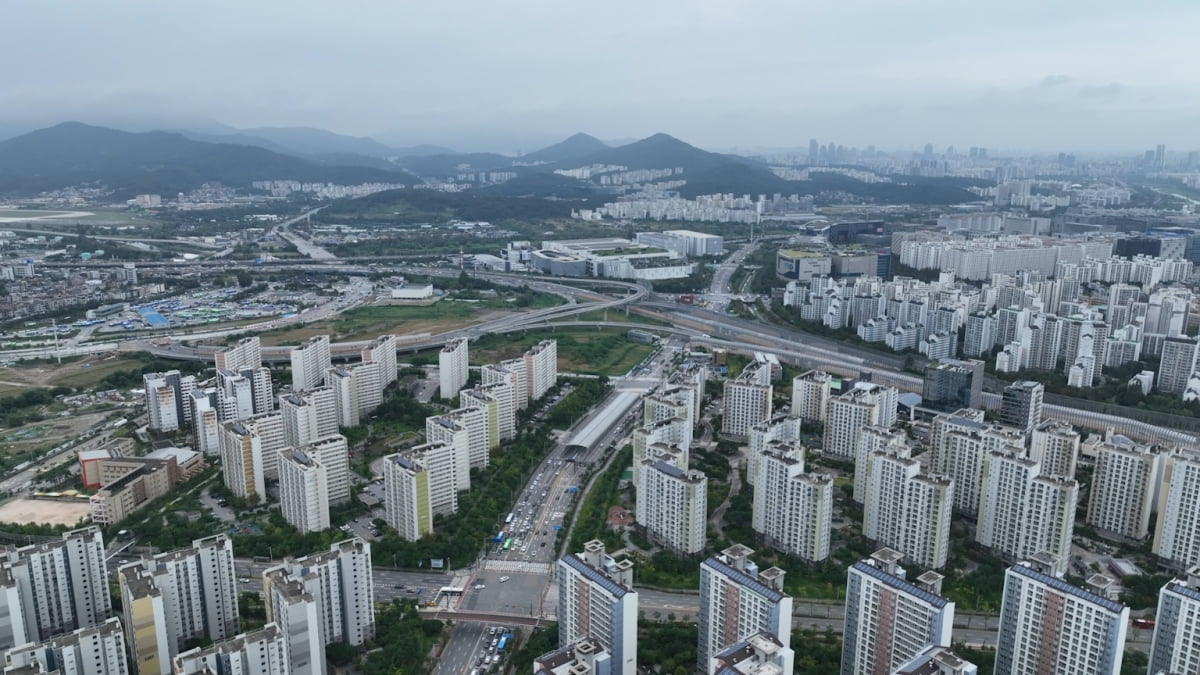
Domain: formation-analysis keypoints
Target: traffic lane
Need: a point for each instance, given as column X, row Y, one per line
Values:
column 519, row 595
column 461, row 650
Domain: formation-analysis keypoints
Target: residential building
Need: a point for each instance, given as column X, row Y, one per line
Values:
column 1179, row 357
column 1177, row 532
column 890, row 620
column 865, row 404
column 810, row 395
column 345, row 395
column 407, row 496
column 514, row 370
column 342, row 583
column 541, row 368
column 951, row 384
column 1055, row 446
column 962, row 454
column 177, row 597
column 596, row 600
column 206, row 424
column 1049, row 626
column 659, row 439
column 246, row 353
column 759, row 654
column 465, row 429
column 908, row 510
column 584, row 657
column 980, row 335
column 477, row 398
column 938, row 661
column 748, row 399
column 672, row 506
column 166, row 395
column 498, row 398
column 303, row 491
column 777, row 428
column 297, row 611
column 242, row 461
column 262, row 652
column 1023, row 512
column 235, row 396
column 1176, row 644
column 309, row 415
column 872, row 439
column 309, row 363
column 94, row 650
column 792, row 508
column 440, row 462
column 452, row 367
column 382, row 350
column 1021, row 405
column 738, row 601
column 57, row 586
column 1124, row 488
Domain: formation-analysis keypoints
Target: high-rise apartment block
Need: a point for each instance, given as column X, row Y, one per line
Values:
column 178, row 597
column 95, row 650
column 776, row 429
column 382, row 350
column 242, row 461
column 738, row 601
column 303, row 491
column 309, row 363
column 467, row 429
column 309, row 415
column 247, row 353
column 407, row 498
column 1055, row 446
column 1178, row 362
column 444, row 465
column 1021, row 405
column 206, row 424
column 962, row 452
column 1177, row 533
column 792, row 508
column 167, row 396
column 748, row 399
column 908, row 510
column 452, row 367
column 889, row 619
column 1049, row 626
column 865, row 404
column 672, row 506
column 1176, row 645
column 541, row 368
column 498, row 399
column 262, row 652
column 596, row 600
column 872, row 439
column 1023, row 513
column 342, row 583
column 54, row 587
column 1124, row 487
column 810, row 395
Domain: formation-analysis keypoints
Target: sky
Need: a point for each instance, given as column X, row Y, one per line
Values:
column 506, row 76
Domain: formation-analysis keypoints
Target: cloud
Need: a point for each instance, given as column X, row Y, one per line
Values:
column 1055, row 80
column 1104, row 91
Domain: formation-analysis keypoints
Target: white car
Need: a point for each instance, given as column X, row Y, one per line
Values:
column 503, row 579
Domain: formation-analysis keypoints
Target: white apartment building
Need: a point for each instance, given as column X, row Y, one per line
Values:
column 748, row 399
column 235, row 396
column 866, row 404
column 247, row 353
column 1178, row 362
column 445, row 465
column 468, row 427
column 908, row 510
column 453, row 367
column 870, row 440
column 1055, row 446
column 777, row 428
column 792, row 509
column 541, row 368
column 206, row 425
column 1124, row 487
column 1177, row 533
column 962, row 453
column 596, row 600
column 54, row 587
column 342, row 582
column 497, row 396
column 674, row 432
column 672, row 506
column 309, row 363
column 262, row 652
column 303, row 491
column 162, row 403
column 345, row 395
column 176, row 597
column 382, row 350
column 269, row 428
column 297, row 612
column 585, row 657
column 242, row 461
column 737, row 601
column 811, row 392
column 368, row 384
column 1176, row 644
column 333, row 453
column 889, row 619
column 477, row 398
column 1050, row 626
column 1023, row 512
column 309, row 415
column 407, row 498
column 94, row 650
column 512, row 372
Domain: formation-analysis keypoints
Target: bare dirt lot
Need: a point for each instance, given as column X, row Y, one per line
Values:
column 45, row 511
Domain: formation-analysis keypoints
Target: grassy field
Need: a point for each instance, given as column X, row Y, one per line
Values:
column 375, row 320
column 71, row 373
column 580, row 350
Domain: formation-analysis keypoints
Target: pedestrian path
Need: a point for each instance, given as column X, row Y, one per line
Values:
column 516, row 566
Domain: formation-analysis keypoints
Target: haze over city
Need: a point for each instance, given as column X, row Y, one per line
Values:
column 507, row 77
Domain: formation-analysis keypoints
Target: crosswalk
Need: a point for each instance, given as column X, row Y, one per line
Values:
column 516, row 566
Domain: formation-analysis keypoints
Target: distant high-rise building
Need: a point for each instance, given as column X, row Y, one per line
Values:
column 541, row 368
column 167, row 396
column 452, row 367
column 890, row 620
column 596, row 600
column 382, row 350
column 737, row 600
column 1176, row 644
column 1021, row 405
column 309, row 363
column 814, row 151
column 980, row 335
column 1055, row 446
column 792, row 508
column 1050, row 626
column 952, row 384
column 247, row 353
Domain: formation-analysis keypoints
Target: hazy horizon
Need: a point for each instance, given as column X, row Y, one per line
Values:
column 1099, row 76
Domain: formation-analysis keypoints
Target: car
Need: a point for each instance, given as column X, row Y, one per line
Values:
column 414, row 590
column 503, row 579
column 479, row 587
column 401, row 586
column 543, row 543
column 244, row 580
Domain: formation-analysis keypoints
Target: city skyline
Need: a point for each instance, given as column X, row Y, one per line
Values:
column 892, row 74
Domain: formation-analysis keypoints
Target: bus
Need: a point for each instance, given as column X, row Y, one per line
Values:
column 1143, row 623
column 507, row 544
column 500, row 645
column 499, row 537
column 509, row 519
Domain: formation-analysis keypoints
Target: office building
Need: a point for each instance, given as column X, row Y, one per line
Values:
column 737, row 601
column 1177, row 365
column 247, row 353
column 309, row 363
column 1023, row 512
column 810, row 395
column 1021, row 405
column 672, row 506
column 1124, row 488
column 178, row 597
column 55, row 587
column 748, row 399
column 407, row 496
column 908, row 510
column 382, row 350
column 303, row 491
column 1055, row 446
column 890, row 620
column 452, row 367
column 342, row 583
column 1176, row 644
column 1050, row 626
column 94, row 650
column 1177, row 532
column 792, row 508
column 950, row 385
column 596, row 600
column 261, row 652
column 865, row 404
column 541, row 368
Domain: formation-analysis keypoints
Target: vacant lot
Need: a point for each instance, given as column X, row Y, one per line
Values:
column 44, row 511
column 580, row 350
column 369, row 322
column 79, row 373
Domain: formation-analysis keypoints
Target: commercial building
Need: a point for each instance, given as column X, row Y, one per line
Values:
column 596, row 600
column 452, row 367
column 309, row 363
column 178, row 597
column 1177, row 532
column 802, row 265
column 951, row 384
column 738, row 601
column 1124, row 488
column 865, row 404
column 1050, row 626
column 1021, row 405
column 792, row 508
column 1023, row 513
column 262, row 652
column 906, row 509
column 686, row 243
column 748, row 399
column 672, row 506
column 811, row 392
column 1176, row 644
column 407, row 496
column 94, row 650
column 54, row 587
column 891, row 620
column 303, row 491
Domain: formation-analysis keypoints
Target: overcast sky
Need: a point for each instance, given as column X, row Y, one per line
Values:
column 515, row 74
